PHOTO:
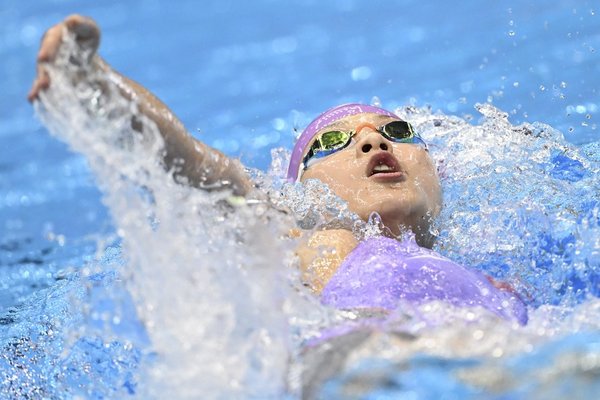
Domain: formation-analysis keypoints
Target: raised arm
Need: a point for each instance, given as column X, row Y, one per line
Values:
column 200, row 165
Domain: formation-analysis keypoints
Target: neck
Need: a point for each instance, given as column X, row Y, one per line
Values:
column 421, row 231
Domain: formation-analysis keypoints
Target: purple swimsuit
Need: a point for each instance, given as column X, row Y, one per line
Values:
column 380, row 272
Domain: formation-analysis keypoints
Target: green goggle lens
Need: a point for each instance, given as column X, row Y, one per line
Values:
column 332, row 141
column 398, row 131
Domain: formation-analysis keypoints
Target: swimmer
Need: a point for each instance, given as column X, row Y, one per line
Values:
column 368, row 156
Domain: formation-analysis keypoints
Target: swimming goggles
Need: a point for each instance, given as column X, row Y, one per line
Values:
column 333, row 141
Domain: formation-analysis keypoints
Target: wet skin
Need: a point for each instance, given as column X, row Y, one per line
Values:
column 404, row 191
column 398, row 181
column 190, row 161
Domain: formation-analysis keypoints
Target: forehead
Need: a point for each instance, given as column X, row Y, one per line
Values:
column 350, row 122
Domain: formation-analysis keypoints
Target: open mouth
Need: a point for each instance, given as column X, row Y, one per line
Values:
column 384, row 165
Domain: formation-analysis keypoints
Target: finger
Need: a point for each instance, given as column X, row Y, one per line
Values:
column 85, row 29
column 82, row 26
column 43, row 78
column 32, row 95
column 42, row 82
column 50, row 44
column 74, row 20
column 33, row 92
column 36, row 88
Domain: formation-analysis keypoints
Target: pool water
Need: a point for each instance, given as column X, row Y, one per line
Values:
column 117, row 283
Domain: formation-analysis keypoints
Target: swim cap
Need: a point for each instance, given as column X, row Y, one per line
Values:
column 328, row 117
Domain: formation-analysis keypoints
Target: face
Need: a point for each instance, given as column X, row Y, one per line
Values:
column 398, row 181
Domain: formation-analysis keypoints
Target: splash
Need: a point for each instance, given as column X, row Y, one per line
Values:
column 225, row 314
column 204, row 272
column 520, row 203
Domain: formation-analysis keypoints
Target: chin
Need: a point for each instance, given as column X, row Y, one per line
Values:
column 394, row 210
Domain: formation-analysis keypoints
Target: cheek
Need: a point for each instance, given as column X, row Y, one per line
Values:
column 346, row 185
column 336, row 170
column 429, row 184
column 343, row 179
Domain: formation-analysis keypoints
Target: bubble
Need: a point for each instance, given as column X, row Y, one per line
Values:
column 416, row 34
column 30, row 35
column 284, row 45
column 360, row 73
column 467, row 86
column 278, row 124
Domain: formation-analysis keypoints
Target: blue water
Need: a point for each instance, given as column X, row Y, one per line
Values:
column 243, row 77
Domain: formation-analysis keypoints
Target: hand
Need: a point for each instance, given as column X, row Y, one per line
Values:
column 87, row 37
column 507, row 287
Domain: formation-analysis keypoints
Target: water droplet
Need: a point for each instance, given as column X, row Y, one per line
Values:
column 278, row 124
column 511, row 33
column 361, row 73
column 516, row 84
column 571, row 129
column 563, row 84
column 588, row 116
column 542, row 88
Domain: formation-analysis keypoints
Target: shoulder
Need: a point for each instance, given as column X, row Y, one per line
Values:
column 322, row 253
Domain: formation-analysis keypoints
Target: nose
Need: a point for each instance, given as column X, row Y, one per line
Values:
column 369, row 139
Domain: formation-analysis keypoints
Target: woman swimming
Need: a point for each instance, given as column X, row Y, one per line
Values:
column 367, row 156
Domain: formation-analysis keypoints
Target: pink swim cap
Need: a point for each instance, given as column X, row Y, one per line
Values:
column 328, row 117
